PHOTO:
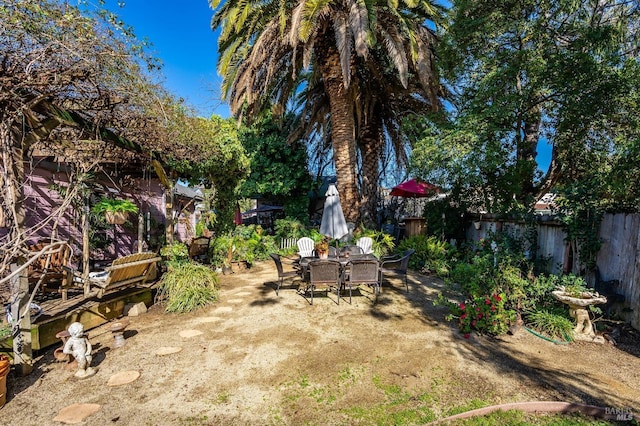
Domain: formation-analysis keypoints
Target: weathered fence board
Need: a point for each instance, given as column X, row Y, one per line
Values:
column 619, row 259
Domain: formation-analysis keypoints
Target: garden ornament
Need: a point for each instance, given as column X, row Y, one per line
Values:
column 79, row 346
column 578, row 305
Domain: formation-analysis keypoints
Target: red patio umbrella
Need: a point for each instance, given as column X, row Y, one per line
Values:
column 414, row 189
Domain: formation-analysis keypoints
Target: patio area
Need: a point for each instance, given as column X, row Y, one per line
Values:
column 257, row 358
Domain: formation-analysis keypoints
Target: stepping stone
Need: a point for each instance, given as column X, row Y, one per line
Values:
column 123, row 378
column 243, row 293
column 235, row 301
column 76, row 413
column 223, row 309
column 190, row 333
column 209, row 319
column 168, row 350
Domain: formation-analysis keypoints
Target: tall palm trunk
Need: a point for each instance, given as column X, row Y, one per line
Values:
column 370, row 146
column 342, row 129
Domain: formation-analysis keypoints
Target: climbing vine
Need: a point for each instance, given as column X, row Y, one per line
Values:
column 580, row 209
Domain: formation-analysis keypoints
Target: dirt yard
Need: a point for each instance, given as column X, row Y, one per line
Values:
column 255, row 358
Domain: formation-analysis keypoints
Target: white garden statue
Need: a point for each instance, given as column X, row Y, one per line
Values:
column 79, row 346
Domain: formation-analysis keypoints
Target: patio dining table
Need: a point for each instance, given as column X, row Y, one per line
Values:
column 344, row 261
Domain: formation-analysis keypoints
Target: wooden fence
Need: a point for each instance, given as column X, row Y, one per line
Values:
column 287, row 243
column 618, row 258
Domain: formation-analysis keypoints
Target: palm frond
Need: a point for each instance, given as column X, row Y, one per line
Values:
column 343, row 43
column 394, row 48
column 359, row 23
column 425, row 65
column 296, row 19
column 307, row 54
column 312, row 13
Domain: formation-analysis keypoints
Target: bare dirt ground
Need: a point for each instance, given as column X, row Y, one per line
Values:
column 267, row 359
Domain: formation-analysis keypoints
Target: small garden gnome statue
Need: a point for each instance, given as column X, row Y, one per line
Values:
column 80, row 347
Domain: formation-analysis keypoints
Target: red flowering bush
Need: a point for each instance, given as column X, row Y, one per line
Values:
column 483, row 314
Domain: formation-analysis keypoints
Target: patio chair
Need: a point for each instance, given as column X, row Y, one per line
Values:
column 363, row 271
column 366, row 244
column 49, row 267
column 325, row 273
column 305, row 247
column 396, row 265
column 199, row 249
column 282, row 274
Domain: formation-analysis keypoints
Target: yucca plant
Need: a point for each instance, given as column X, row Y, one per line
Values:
column 189, row 286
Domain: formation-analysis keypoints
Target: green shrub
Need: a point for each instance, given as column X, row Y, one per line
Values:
column 175, row 253
column 189, row 286
column 290, row 228
column 222, row 250
column 431, row 253
column 245, row 243
column 474, row 277
column 252, row 244
column 485, row 314
column 495, row 266
column 573, row 284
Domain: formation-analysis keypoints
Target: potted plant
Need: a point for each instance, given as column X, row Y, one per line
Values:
column 115, row 211
column 322, row 249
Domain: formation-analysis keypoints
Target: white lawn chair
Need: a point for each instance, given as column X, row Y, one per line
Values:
column 305, row 247
column 366, row 244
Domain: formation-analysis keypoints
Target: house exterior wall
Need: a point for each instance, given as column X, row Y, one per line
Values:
column 186, row 218
column 42, row 200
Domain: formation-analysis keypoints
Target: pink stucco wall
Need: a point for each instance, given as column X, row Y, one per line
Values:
column 42, row 201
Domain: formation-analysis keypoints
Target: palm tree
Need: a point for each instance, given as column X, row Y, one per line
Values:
column 265, row 47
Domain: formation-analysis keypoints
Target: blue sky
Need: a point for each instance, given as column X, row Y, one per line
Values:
column 182, row 38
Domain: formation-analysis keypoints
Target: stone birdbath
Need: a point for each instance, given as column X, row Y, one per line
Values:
column 578, row 305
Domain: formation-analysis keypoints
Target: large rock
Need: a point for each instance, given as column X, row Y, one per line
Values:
column 134, row 310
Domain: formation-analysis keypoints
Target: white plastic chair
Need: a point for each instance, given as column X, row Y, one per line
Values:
column 305, row 247
column 366, row 244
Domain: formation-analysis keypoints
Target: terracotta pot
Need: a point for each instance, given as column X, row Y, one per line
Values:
column 115, row 218
column 4, row 371
column 323, row 254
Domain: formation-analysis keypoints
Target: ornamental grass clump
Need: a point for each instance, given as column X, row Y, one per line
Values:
column 553, row 324
column 189, row 286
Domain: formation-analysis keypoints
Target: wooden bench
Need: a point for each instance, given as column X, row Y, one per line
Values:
column 127, row 271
